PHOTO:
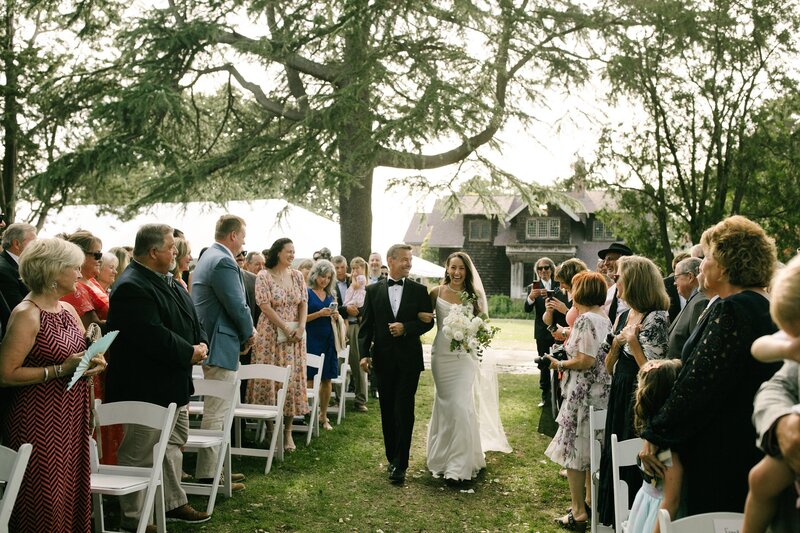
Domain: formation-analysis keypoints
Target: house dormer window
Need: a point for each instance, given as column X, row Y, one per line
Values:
column 540, row 228
column 480, row 229
column 601, row 232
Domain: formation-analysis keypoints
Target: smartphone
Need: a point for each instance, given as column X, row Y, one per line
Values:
column 551, row 294
column 333, row 306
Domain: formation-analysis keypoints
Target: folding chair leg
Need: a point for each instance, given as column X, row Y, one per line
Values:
column 160, row 511
column 99, row 520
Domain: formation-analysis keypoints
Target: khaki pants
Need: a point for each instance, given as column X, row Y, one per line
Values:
column 214, row 412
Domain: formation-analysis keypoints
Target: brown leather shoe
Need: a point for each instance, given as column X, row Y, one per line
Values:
column 237, row 478
column 186, row 513
column 361, row 408
column 235, row 487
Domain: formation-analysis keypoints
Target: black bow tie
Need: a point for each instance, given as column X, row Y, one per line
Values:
column 391, row 282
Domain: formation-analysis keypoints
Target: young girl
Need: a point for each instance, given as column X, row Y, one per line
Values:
column 656, row 378
column 770, row 477
column 357, row 290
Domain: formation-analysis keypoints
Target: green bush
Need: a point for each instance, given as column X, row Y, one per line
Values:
column 501, row 306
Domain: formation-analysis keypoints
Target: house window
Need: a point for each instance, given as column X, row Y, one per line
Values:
column 543, row 228
column 601, row 232
column 480, row 230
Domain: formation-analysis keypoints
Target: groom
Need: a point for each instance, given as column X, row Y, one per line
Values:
column 389, row 336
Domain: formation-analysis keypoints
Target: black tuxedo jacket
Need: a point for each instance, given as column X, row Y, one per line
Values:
column 10, row 285
column 151, row 358
column 684, row 324
column 540, row 331
column 374, row 338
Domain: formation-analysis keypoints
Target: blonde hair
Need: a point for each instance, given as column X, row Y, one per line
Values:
column 358, row 262
column 656, row 378
column 182, row 246
column 642, row 284
column 44, row 260
column 784, row 305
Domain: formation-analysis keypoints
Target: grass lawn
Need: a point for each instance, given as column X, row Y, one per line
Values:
column 339, row 482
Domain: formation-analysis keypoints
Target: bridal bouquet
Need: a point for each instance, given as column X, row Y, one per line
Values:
column 468, row 333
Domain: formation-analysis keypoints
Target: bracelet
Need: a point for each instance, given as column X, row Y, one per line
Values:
column 46, row 375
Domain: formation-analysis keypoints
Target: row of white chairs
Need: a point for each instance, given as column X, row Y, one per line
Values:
column 624, row 453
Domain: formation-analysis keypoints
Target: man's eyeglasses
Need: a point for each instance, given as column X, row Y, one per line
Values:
column 97, row 255
column 543, row 267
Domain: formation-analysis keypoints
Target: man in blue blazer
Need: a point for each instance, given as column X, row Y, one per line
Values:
column 219, row 297
column 390, row 339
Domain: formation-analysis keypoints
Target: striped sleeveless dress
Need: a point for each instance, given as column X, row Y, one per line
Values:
column 55, row 493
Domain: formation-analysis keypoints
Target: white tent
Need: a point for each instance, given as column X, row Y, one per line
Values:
column 425, row 269
column 308, row 231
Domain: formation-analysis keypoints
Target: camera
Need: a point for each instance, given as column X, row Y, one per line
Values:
column 557, row 352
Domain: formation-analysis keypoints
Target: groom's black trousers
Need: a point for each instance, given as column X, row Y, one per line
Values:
column 397, row 387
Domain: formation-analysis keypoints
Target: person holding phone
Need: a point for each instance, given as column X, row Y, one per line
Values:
column 537, row 302
column 319, row 332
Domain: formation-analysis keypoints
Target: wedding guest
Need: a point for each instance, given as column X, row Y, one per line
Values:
column 655, row 381
column 305, row 267
column 774, row 475
column 676, row 300
column 41, row 350
column 353, row 302
column 640, row 335
column 708, row 413
column 15, row 239
column 254, row 262
column 281, row 294
column 160, row 339
column 536, row 302
column 89, row 301
column 219, row 298
column 107, row 272
column 614, row 304
column 319, row 332
column 586, row 383
column 182, row 261
column 375, row 272
column 688, row 284
column 564, row 275
column 123, row 258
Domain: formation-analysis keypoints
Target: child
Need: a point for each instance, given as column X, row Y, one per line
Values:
column 656, row 378
column 357, row 290
column 770, row 477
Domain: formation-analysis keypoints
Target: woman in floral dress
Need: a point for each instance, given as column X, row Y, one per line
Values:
column 586, row 383
column 281, row 295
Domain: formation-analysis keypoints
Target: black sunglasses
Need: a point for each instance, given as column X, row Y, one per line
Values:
column 544, row 267
column 97, row 255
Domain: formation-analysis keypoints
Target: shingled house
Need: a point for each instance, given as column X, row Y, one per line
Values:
column 505, row 248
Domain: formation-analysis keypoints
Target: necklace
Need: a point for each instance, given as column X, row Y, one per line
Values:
column 450, row 286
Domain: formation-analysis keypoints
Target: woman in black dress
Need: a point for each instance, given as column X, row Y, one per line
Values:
column 707, row 417
column 640, row 334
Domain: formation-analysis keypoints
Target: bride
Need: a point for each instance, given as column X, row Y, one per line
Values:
column 465, row 397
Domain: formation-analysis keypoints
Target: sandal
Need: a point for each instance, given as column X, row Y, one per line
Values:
column 571, row 524
column 588, row 510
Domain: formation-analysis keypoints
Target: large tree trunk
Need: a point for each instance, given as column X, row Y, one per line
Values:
column 355, row 218
column 10, row 125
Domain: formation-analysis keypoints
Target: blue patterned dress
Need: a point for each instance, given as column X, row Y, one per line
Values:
column 582, row 388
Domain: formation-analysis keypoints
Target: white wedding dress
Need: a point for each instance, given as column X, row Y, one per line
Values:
column 465, row 403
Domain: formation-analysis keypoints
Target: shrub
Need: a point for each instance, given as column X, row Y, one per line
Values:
column 501, row 306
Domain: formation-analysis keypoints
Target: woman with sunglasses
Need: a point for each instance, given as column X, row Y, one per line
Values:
column 91, row 303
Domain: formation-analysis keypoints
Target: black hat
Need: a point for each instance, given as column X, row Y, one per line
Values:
column 617, row 248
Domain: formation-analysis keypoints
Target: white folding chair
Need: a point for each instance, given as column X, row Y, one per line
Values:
column 701, row 523
column 340, row 383
column 12, row 470
column 312, row 394
column 115, row 480
column 209, row 438
column 597, row 422
column 622, row 454
column 263, row 413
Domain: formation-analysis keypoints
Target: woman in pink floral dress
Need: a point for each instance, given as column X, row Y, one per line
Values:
column 281, row 294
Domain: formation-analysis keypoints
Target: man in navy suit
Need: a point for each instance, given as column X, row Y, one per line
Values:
column 159, row 340
column 219, row 296
column 389, row 339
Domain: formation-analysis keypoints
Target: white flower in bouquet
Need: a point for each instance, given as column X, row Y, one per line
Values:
column 467, row 333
